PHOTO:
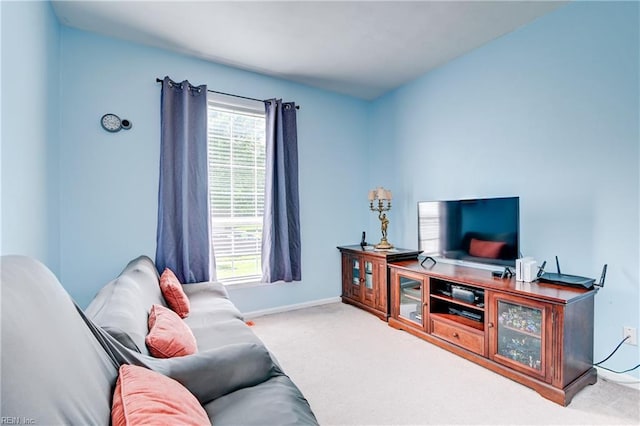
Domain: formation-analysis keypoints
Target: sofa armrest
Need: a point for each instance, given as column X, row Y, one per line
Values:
column 210, row 288
column 214, row 373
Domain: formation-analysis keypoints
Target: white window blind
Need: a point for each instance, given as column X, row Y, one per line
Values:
column 236, row 159
column 429, row 232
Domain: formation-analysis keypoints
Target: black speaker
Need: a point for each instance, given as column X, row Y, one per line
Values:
column 463, row 294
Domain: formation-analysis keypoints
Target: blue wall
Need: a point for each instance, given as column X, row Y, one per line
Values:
column 30, row 84
column 109, row 182
column 550, row 113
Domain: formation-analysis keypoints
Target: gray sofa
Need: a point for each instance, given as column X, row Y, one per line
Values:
column 60, row 364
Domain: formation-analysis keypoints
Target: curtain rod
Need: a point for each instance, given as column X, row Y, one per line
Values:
column 159, row 80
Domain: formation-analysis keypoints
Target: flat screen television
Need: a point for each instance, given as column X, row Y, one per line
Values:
column 484, row 231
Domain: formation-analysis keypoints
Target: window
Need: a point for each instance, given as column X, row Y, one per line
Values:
column 236, row 158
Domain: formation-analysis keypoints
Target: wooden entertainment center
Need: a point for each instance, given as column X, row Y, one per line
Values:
column 539, row 335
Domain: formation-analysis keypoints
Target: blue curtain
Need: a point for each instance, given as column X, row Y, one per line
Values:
column 183, row 215
column 281, row 226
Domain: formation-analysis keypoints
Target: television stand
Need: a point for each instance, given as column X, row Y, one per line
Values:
column 539, row 335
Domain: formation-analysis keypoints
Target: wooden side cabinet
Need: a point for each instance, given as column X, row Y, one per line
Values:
column 540, row 335
column 365, row 276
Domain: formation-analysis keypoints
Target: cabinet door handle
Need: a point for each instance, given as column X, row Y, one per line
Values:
column 490, row 325
column 455, row 335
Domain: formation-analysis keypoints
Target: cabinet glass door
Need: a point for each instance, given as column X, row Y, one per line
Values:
column 410, row 299
column 519, row 337
column 368, row 275
column 356, row 277
column 368, row 295
column 355, row 272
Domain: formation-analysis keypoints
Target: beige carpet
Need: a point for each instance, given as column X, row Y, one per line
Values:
column 356, row 370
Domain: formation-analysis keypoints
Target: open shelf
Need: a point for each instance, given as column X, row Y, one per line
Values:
column 476, row 325
column 449, row 299
column 444, row 305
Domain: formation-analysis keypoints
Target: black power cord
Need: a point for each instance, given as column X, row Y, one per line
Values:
column 597, row 364
column 619, row 372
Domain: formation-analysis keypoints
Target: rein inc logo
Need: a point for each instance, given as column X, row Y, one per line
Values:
column 17, row 420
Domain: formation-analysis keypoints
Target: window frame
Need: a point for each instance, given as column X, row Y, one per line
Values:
column 244, row 107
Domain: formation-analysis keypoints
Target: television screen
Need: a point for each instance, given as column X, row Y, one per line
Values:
column 479, row 230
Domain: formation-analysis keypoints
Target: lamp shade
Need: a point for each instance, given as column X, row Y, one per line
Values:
column 380, row 194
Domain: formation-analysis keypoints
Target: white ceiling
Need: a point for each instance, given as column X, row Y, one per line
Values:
column 358, row 48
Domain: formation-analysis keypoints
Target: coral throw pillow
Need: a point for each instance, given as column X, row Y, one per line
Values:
column 144, row 397
column 488, row 249
column 174, row 294
column 169, row 336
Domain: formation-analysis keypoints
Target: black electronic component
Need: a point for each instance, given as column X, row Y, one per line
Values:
column 466, row 314
column 428, row 258
column 463, row 294
column 505, row 273
column 467, row 295
column 363, row 241
column 570, row 280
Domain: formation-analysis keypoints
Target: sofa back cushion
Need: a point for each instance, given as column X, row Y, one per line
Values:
column 508, row 251
column 53, row 371
column 124, row 303
column 488, row 249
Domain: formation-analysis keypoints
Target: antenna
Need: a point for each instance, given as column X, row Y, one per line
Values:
column 558, row 265
column 541, row 269
column 602, row 277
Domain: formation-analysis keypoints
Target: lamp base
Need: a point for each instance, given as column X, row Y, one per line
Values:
column 384, row 245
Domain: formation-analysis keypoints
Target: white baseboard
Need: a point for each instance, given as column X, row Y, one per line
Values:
column 286, row 308
column 621, row 379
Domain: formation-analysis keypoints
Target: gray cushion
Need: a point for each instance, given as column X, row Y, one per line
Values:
column 212, row 374
column 122, row 337
column 53, row 370
column 212, row 335
column 209, row 305
column 276, row 402
column 124, row 303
